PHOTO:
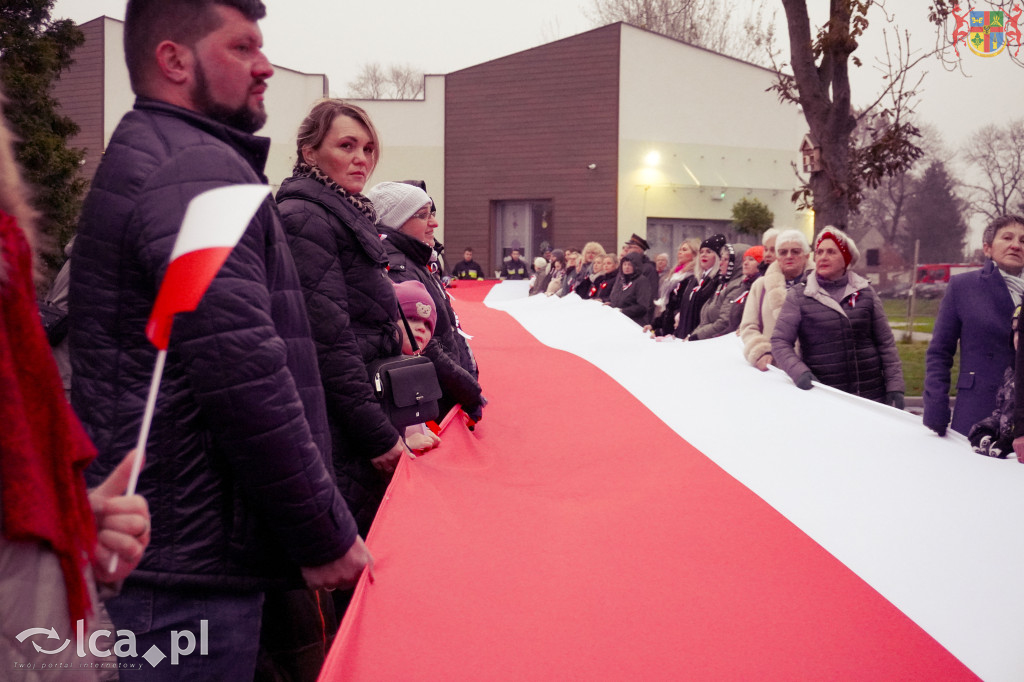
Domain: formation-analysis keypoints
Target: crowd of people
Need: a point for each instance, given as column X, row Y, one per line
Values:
column 808, row 313
column 269, row 452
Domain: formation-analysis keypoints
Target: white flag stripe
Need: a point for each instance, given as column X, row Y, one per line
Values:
column 218, row 217
column 926, row 522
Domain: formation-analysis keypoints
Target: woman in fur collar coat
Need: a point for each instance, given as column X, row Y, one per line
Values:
column 768, row 293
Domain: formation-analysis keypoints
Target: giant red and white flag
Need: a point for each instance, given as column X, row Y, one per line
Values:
column 214, row 222
column 633, row 510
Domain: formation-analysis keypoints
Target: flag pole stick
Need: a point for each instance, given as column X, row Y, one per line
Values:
column 140, row 446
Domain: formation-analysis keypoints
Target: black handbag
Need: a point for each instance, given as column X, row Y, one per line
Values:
column 55, row 321
column 406, row 386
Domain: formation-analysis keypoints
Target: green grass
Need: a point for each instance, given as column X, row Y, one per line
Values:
column 925, row 311
column 912, row 353
column 912, row 357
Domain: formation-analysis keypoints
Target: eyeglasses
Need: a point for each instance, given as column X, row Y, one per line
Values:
column 424, row 215
column 787, row 252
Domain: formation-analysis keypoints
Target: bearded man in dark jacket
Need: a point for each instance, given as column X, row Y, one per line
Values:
column 236, row 474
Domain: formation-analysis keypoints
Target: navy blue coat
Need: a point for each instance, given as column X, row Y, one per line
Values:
column 976, row 312
column 237, row 475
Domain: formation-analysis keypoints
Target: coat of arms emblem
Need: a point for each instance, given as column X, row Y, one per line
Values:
column 986, row 33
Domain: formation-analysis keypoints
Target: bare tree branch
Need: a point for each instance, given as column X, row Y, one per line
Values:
column 712, row 24
column 997, row 152
column 397, row 81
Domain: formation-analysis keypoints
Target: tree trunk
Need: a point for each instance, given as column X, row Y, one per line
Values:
column 824, row 95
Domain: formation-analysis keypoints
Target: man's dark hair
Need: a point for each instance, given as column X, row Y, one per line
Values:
column 469, row 249
column 147, row 23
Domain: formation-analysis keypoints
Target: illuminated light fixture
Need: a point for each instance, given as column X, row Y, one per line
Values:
column 653, row 158
column 719, row 195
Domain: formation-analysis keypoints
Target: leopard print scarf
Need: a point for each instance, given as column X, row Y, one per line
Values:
column 359, row 201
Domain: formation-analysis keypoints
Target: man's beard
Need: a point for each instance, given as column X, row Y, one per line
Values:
column 243, row 118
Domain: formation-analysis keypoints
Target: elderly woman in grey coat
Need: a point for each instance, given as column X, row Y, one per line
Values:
column 845, row 339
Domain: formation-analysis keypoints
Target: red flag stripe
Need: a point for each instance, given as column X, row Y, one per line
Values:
column 184, row 284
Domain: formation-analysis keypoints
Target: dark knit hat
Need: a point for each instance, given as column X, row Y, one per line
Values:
column 416, row 303
column 715, row 242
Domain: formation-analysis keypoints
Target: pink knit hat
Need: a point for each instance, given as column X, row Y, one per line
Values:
column 416, row 303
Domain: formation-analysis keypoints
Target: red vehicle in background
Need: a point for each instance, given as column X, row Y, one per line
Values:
column 932, row 278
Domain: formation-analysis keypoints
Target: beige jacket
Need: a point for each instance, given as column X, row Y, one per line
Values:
column 767, row 294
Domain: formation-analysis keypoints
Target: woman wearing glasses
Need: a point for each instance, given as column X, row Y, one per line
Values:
column 406, row 222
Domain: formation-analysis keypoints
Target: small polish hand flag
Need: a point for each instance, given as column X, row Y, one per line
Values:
column 214, row 222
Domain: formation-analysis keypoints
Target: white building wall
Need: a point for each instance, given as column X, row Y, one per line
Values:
column 412, row 141
column 289, row 97
column 118, row 97
column 712, row 127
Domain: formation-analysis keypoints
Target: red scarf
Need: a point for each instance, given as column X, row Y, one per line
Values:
column 43, row 448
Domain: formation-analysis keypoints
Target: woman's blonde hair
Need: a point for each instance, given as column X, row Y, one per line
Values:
column 318, row 122
column 593, row 247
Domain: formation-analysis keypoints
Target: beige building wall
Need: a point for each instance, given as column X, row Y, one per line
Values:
column 289, row 97
column 412, row 141
column 698, row 132
column 118, row 97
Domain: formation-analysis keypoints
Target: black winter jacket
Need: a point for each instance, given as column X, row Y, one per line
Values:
column 352, row 309
column 408, row 260
column 237, row 474
column 632, row 294
column 692, row 296
column 515, row 270
column 470, row 270
column 847, row 345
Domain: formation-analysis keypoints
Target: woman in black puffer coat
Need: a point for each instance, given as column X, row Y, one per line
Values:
column 406, row 223
column 631, row 293
column 352, row 306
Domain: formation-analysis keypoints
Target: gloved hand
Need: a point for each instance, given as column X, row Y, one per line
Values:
column 895, row 399
column 475, row 412
column 981, row 443
column 803, row 382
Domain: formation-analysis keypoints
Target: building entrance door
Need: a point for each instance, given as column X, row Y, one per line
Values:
column 522, row 225
column 666, row 234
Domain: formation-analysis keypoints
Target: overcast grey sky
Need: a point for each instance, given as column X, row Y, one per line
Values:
column 323, row 36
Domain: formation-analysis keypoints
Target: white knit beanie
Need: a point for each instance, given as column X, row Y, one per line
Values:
column 396, row 202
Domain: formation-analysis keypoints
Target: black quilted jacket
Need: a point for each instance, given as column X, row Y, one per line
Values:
column 408, row 260
column 847, row 345
column 238, row 482
column 352, row 309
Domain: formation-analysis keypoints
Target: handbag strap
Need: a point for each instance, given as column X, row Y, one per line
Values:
column 408, row 330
